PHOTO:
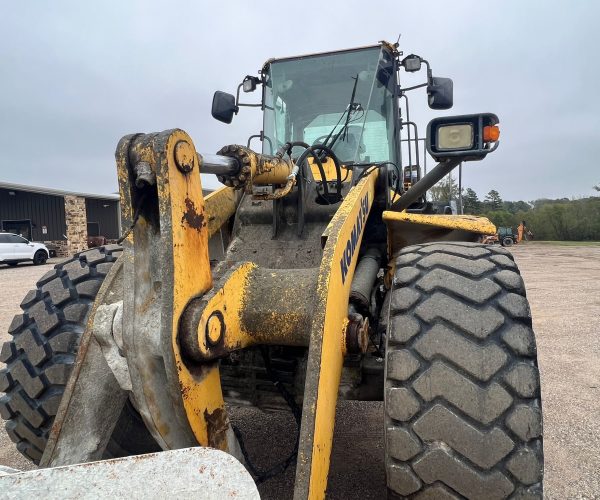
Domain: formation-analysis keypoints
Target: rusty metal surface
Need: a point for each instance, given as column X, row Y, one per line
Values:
column 257, row 169
column 166, row 264
column 145, row 263
column 250, row 306
column 356, row 334
column 198, row 473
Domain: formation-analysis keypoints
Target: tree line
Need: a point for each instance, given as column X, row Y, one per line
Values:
column 559, row 219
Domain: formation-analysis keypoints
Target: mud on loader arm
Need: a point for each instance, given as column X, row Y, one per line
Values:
column 165, row 262
column 174, row 328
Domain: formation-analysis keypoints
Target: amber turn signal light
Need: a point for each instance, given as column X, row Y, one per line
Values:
column 491, row 133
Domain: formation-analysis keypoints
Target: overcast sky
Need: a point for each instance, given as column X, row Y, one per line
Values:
column 76, row 76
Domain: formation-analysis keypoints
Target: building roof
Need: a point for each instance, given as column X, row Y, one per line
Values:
column 55, row 192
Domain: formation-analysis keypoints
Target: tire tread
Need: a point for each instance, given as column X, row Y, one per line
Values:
column 45, row 339
column 468, row 401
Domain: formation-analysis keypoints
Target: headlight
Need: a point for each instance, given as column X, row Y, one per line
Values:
column 455, row 137
column 466, row 137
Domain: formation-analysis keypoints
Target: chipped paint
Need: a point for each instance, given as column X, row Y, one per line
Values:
column 191, row 216
column 411, row 229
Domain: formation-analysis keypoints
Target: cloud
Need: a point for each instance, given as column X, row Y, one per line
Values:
column 76, row 76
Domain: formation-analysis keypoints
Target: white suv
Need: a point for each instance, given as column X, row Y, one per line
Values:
column 15, row 249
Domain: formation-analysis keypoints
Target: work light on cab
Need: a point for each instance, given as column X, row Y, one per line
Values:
column 470, row 137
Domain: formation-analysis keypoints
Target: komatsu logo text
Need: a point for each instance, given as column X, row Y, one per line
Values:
column 352, row 242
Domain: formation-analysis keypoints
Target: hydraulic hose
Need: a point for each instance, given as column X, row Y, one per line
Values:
column 312, row 151
column 338, row 170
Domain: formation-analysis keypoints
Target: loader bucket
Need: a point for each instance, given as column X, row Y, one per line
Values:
column 199, row 473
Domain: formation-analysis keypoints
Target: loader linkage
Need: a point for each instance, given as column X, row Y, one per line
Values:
column 297, row 275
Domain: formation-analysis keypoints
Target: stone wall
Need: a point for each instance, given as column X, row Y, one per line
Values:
column 76, row 218
column 60, row 246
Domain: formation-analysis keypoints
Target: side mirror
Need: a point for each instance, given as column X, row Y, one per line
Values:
column 223, row 107
column 468, row 137
column 439, row 93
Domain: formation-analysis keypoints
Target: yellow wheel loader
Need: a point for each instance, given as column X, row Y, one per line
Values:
column 319, row 272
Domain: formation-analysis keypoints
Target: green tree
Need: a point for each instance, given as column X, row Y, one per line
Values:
column 492, row 201
column 563, row 219
column 471, row 203
column 502, row 218
column 444, row 190
column 516, row 206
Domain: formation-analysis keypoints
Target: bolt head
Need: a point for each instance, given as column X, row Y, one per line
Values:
column 184, row 156
column 214, row 329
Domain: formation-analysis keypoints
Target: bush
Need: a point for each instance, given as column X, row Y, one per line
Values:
column 569, row 220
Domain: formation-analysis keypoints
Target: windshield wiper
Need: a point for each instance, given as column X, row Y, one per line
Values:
column 347, row 112
column 345, row 128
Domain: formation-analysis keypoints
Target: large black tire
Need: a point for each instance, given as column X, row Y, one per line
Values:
column 463, row 413
column 41, row 354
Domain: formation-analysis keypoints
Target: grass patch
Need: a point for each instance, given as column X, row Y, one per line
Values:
column 569, row 243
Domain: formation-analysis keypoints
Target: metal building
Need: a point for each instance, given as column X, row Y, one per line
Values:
column 62, row 219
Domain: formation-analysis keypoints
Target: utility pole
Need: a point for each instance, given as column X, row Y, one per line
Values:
column 460, row 203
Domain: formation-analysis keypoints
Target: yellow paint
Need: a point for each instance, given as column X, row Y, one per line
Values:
column 410, row 229
column 214, row 329
column 471, row 223
column 265, row 170
column 219, row 206
column 201, row 393
column 326, row 343
column 230, row 300
column 329, row 168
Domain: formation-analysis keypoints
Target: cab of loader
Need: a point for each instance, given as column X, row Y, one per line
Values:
column 348, row 101
column 314, row 98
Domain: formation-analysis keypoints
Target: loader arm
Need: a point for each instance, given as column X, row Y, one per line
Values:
column 177, row 324
column 326, row 349
column 203, row 328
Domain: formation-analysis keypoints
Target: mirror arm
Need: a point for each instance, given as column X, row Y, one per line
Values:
column 237, row 93
column 414, row 87
column 429, row 72
column 238, row 103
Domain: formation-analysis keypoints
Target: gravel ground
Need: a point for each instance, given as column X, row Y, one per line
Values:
column 563, row 284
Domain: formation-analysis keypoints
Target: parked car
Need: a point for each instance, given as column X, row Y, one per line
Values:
column 15, row 249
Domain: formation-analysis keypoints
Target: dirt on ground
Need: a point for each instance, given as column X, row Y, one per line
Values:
column 563, row 287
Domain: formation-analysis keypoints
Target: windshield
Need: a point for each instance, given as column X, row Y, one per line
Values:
column 346, row 94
